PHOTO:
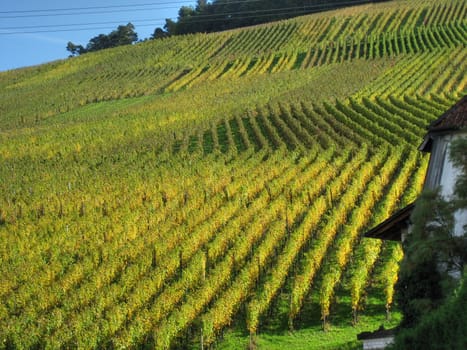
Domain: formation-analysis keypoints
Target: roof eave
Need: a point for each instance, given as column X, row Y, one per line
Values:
column 426, row 144
column 391, row 228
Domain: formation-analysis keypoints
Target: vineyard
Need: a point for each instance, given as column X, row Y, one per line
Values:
column 166, row 194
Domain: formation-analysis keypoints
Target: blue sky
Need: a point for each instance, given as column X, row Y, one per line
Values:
column 41, row 45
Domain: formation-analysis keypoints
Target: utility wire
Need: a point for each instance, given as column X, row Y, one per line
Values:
column 87, row 13
column 99, row 7
column 107, row 9
column 230, row 16
column 74, row 25
column 72, row 30
column 274, row 12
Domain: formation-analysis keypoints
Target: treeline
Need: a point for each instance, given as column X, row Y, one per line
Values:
column 215, row 16
column 123, row 35
column 219, row 15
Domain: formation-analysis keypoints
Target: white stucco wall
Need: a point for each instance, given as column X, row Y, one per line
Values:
column 377, row 344
column 449, row 174
column 448, row 177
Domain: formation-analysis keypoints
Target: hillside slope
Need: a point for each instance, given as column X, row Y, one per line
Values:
column 157, row 195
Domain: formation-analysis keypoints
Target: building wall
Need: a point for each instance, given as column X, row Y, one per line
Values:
column 377, row 344
column 442, row 173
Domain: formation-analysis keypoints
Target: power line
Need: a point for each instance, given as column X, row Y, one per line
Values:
column 99, row 7
column 74, row 25
column 106, row 9
column 287, row 9
column 257, row 13
column 72, row 30
column 87, row 13
column 230, row 16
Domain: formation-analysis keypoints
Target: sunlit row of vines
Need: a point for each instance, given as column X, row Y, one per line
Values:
column 364, row 32
column 114, row 266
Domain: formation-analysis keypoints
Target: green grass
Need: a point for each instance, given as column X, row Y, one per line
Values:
column 339, row 334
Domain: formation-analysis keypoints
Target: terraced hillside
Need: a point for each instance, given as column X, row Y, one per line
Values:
column 161, row 194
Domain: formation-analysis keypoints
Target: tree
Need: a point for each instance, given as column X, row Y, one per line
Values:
column 159, row 33
column 170, row 26
column 217, row 15
column 418, row 289
column 99, row 42
column 201, row 5
column 74, row 49
column 434, row 256
column 123, row 35
column 459, row 158
column 444, row 328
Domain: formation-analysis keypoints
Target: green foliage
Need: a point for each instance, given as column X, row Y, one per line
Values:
column 433, row 253
column 459, row 159
column 418, row 290
column 444, row 328
column 219, row 15
column 123, row 35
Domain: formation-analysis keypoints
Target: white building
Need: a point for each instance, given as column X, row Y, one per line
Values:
column 441, row 172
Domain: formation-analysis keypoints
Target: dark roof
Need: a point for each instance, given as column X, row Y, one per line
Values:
column 379, row 333
column 454, row 119
column 391, row 228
